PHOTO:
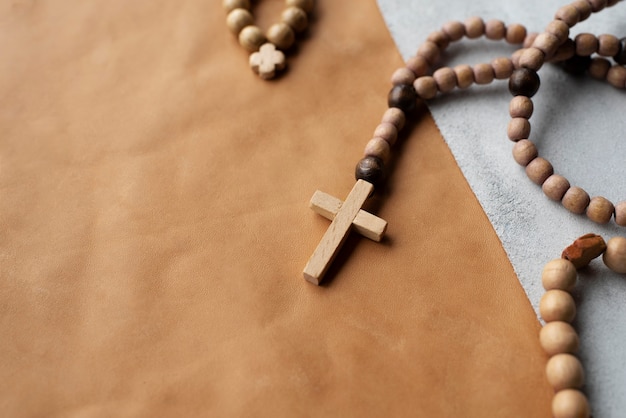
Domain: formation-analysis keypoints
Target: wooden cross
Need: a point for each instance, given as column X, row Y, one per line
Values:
column 267, row 60
column 344, row 216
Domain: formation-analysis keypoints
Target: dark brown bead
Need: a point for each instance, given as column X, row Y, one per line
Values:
column 524, row 82
column 577, row 65
column 370, row 169
column 620, row 57
column 402, row 96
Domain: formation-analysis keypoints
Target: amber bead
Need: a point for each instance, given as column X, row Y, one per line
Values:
column 620, row 57
column 524, row 82
column 370, row 169
column 403, row 97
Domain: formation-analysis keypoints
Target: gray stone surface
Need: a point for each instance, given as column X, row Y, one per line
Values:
column 579, row 125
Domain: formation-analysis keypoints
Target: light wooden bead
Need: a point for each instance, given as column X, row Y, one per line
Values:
column 538, row 170
column 608, row 45
column 296, row 18
column 426, row 87
column 521, row 107
column 440, row 38
column 532, row 58
column 600, row 210
column 599, row 68
column 558, row 337
column 402, row 76
column 559, row 29
column 547, row 43
column 464, row 76
column 495, row 29
column 559, row 274
column 583, row 7
column 515, row 56
column 524, row 152
column 576, row 200
column 568, row 14
column 530, row 38
column 418, row 65
column 394, row 116
column 597, row 5
column 570, row 403
column 620, row 214
column 515, row 33
column 306, row 5
column 230, row 5
column 615, row 255
column 251, row 38
column 445, row 79
column 519, row 128
column 238, row 19
column 564, row 371
column 616, row 76
column 483, row 73
column 557, row 305
column 566, row 51
column 586, row 44
column 502, row 68
column 474, row 27
column 281, row 35
column 387, row 131
column 429, row 51
column 454, row 29
column 555, row 187
column 378, row 147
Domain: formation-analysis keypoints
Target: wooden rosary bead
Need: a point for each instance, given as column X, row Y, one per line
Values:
column 464, row 76
column 597, row 5
column 518, row 128
column 615, row 255
column 230, row 5
column 568, row 14
column 530, row 39
column 538, row 170
column 495, row 29
column 600, row 210
column 454, row 29
column 440, row 38
column 524, row 151
column 306, row 5
column 555, row 187
column 547, row 43
column 483, row 73
column 394, row 116
column 608, row 45
column 238, row 19
column 281, row 35
column 370, row 169
column 426, row 87
column 576, row 200
column 515, row 33
column 532, row 58
column 583, row 7
column 566, row 51
column 524, row 82
column 521, row 107
column 620, row 57
column 502, row 68
column 429, row 51
column 403, row 97
column 557, row 305
column 586, row 44
column 445, row 78
column 418, row 65
column 558, row 337
column 599, row 68
column 474, row 27
column 387, row 131
column 515, row 57
column 570, row 403
column 559, row 274
column 577, row 64
column 564, row 371
column 620, row 214
column 378, row 147
column 402, row 76
column 251, row 38
column 616, row 76
column 559, row 29
column 296, row 18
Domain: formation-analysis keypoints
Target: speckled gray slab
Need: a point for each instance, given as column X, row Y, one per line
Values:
column 579, row 125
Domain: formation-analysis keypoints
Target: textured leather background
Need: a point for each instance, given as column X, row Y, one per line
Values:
column 154, row 225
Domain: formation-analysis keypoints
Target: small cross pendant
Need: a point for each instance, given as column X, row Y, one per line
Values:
column 267, row 60
column 344, row 216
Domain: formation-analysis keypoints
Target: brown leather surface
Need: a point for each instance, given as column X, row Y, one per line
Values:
column 154, row 225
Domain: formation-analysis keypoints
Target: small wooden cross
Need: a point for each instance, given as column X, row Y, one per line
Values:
column 344, row 216
column 267, row 60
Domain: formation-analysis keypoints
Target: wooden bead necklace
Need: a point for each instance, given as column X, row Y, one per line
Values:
column 557, row 307
column 266, row 57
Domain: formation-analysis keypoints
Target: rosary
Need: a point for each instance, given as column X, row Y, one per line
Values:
column 602, row 57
